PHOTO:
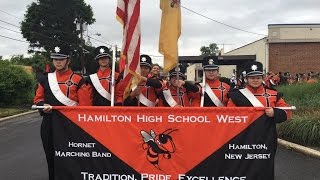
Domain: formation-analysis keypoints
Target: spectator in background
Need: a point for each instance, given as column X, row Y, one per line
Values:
column 155, row 71
column 233, row 82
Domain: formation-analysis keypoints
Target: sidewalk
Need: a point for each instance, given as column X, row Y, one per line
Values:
column 299, row 148
column 17, row 115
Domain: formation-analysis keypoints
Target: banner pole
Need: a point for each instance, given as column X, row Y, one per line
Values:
column 113, row 73
column 35, row 107
column 292, row 108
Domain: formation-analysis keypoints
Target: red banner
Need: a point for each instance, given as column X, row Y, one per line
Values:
column 166, row 143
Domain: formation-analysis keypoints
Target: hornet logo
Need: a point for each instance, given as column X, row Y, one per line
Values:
column 156, row 145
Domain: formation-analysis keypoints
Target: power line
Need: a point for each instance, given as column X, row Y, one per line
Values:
column 98, row 33
column 52, row 39
column 29, row 23
column 58, row 31
column 100, row 41
column 9, row 23
column 14, row 39
column 220, row 22
column 10, row 29
column 10, row 14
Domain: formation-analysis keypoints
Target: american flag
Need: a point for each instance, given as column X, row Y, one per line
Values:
column 128, row 14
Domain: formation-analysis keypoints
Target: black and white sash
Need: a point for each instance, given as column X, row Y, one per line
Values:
column 144, row 100
column 213, row 96
column 98, row 86
column 168, row 97
column 56, row 91
column 253, row 100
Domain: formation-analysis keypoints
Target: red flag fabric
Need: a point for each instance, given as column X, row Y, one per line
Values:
column 122, row 64
column 128, row 14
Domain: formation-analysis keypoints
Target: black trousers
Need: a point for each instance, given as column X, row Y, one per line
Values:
column 47, row 142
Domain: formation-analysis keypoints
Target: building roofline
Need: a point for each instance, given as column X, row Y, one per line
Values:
column 245, row 45
column 199, row 59
column 309, row 24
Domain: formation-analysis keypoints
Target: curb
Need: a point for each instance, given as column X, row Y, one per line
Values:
column 17, row 115
column 298, row 148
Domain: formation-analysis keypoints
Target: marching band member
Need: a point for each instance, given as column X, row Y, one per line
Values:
column 257, row 95
column 145, row 94
column 178, row 92
column 60, row 88
column 101, row 81
column 215, row 91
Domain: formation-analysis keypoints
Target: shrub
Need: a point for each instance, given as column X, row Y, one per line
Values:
column 302, row 129
column 16, row 85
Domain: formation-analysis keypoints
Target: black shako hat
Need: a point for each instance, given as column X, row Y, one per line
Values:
column 101, row 51
column 61, row 51
column 180, row 70
column 145, row 60
column 210, row 63
column 254, row 69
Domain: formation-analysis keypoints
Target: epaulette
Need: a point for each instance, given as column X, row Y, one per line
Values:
column 269, row 88
column 77, row 73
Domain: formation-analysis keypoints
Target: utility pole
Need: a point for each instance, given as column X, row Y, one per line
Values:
column 82, row 43
column 81, row 46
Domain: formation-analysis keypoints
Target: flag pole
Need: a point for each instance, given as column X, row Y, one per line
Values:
column 113, row 73
column 177, row 76
column 203, row 87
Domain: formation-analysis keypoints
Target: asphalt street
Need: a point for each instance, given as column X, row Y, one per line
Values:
column 22, row 156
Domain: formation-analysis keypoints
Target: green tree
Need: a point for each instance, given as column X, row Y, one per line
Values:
column 48, row 23
column 210, row 50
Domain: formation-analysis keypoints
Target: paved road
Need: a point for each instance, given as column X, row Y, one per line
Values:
column 22, row 157
column 21, row 153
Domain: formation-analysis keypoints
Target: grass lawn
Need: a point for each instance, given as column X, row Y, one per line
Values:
column 4, row 112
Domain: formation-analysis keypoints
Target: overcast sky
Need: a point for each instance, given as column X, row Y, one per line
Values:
column 249, row 15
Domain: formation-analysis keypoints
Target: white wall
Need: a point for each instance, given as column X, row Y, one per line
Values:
column 258, row 48
column 294, row 32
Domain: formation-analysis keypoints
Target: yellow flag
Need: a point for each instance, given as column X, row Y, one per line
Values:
column 170, row 32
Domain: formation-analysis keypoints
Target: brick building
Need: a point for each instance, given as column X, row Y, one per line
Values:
column 293, row 48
